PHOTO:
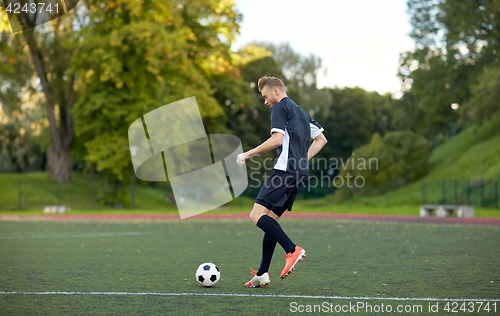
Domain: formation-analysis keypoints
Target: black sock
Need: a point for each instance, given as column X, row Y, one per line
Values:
column 270, row 226
column 268, row 245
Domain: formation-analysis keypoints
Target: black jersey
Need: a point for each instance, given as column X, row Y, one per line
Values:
column 297, row 128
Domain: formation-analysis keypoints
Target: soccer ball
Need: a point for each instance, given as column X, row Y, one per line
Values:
column 208, row 274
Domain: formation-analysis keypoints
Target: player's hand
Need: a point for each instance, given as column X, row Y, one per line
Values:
column 241, row 158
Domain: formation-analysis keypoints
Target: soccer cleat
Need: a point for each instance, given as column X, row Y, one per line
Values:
column 291, row 260
column 258, row 280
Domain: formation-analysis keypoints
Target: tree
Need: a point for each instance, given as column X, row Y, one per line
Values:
column 396, row 159
column 350, row 121
column 406, row 115
column 382, row 111
column 138, row 56
column 485, row 100
column 455, row 40
column 300, row 73
column 43, row 53
column 23, row 133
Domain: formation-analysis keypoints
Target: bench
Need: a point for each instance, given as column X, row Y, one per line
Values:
column 56, row 209
column 446, row 210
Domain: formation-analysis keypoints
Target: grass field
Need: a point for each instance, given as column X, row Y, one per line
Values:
column 345, row 260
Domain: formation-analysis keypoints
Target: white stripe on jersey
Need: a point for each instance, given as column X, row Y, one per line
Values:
column 278, row 131
column 315, row 131
column 283, row 158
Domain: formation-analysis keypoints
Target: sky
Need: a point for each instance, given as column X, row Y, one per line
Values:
column 359, row 41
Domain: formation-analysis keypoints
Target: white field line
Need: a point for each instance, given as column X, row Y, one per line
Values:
column 335, row 297
column 38, row 236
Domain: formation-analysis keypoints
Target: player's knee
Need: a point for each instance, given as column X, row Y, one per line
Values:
column 273, row 215
column 254, row 217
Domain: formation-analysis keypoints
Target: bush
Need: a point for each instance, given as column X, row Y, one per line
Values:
column 396, row 159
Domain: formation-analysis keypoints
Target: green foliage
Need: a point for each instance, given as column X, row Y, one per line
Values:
column 349, row 121
column 299, row 75
column 4, row 21
column 138, row 56
column 455, row 40
column 407, row 115
column 36, row 71
column 113, row 196
column 485, row 100
column 477, row 163
column 383, row 107
column 399, row 158
column 448, row 153
column 435, row 85
column 18, row 151
column 410, row 153
column 16, row 71
column 23, row 134
column 471, row 155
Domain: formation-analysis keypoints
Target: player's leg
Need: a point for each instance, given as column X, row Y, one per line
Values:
column 270, row 226
column 293, row 257
column 278, row 186
column 269, row 243
column 261, row 277
column 260, row 217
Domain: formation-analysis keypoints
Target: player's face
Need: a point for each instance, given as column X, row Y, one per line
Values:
column 270, row 96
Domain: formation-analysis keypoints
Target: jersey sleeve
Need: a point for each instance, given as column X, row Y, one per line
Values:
column 278, row 119
column 316, row 129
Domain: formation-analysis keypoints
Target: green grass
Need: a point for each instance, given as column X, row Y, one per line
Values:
column 477, row 162
column 38, row 191
column 472, row 155
column 343, row 258
column 465, row 143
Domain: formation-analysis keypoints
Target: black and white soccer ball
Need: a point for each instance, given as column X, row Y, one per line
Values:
column 208, row 274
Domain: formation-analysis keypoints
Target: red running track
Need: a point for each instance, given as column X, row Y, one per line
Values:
column 494, row 221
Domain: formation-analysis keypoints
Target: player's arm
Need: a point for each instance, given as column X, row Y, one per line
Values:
column 274, row 141
column 318, row 143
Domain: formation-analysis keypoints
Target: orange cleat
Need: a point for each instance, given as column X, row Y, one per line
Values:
column 258, row 280
column 291, row 259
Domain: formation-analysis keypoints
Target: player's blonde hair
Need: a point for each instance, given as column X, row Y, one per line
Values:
column 271, row 82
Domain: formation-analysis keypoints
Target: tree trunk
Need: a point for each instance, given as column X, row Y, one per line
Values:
column 92, row 171
column 59, row 164
column 58, row 154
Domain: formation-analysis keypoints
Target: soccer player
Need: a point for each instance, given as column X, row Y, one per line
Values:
column 291, row 133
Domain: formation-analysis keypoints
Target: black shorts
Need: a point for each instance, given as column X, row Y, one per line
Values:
column 280, row 190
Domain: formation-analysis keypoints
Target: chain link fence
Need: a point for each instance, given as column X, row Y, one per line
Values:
column 459, row 192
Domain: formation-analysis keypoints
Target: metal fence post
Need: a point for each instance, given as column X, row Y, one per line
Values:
column 455, row 184
column 482, row 195
column 20, row 194
column 496, row 194
column 423, row 192
column 468, row 193
column 58, row 192
column 443, row 192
